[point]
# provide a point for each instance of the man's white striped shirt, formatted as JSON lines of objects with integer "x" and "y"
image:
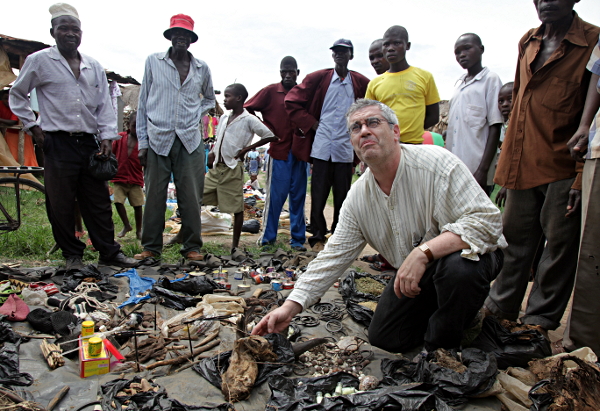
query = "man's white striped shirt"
{"x": 433, "y": 192}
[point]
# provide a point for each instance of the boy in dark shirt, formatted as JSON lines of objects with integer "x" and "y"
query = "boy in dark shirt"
{"x": 129, "y": 180}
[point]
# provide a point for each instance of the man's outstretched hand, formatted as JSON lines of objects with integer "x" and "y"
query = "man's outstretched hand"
{"x": 278, "y": 319}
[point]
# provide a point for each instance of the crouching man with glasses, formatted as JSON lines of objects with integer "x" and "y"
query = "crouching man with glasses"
{"x": 421, "y": 208}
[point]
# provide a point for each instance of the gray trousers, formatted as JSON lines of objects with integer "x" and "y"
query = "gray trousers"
{"x": 583, "y": 327}
{"x": 188, "y": 175}
{"x": 528, "y": 215}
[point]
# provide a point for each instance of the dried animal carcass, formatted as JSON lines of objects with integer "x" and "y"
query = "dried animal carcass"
{"x": 239, "y": 378}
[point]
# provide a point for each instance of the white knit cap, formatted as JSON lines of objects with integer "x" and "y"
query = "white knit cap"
{"x": 63, "y": 9}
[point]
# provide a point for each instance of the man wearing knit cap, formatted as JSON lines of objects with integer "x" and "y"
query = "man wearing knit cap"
{"x": 176, "y": 92}
{"x": 77, "y": 120}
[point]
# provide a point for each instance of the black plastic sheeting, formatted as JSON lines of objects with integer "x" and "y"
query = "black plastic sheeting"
{"x": 352, "y": 297}
{"x": 195, "y": 285}
{"x": 74, "y": 277}
{"x": 146, "y": 401}
{"x": 170, "y": 299}
{"x": 212, "y": 368}
{"x": 9, "y": 358}
{"x": 300, "y": 394}
{"x": 251, "y": 226}
{"x": 511, "y": 349}
{"x": 452, "y": 387}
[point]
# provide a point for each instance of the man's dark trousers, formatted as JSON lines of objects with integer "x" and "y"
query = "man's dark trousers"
{"x": 453, "y": 290}
{"x": 66, "y": 178}
{"x": 325, "y": 176}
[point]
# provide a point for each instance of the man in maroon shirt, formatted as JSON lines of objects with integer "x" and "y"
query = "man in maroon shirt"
{"x": 129, "y": 180}
{"x": 286, "y": 175}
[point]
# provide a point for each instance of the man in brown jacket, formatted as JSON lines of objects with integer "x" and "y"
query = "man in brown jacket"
{"x": 317, "y": 107}
{"x": 543, "y": 181}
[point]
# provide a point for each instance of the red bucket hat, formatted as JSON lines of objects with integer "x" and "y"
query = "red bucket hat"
{"x": 181, "y": 21}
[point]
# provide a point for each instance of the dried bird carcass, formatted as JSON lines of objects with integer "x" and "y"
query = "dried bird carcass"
{"x": 239, "y": 378}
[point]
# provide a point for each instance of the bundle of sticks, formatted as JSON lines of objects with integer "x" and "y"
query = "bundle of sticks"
{"x": 52, "y": 354}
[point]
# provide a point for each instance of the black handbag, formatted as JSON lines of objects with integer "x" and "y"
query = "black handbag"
{"x": 103, "y": 168}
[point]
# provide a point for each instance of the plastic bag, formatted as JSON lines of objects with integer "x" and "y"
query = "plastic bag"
{"x": 103, "y": 168}
{"x": 177, "y": 301}
{"x": 514, "y": 349}
{"x": 251, "y": 226}
{"x": 300, "y": 394}
{"x": 196, "y": 285}
{"x": 453, "y": 387}
{"x": 137, "y": 286}
{"x": 352, "y": 297}
{"x": 214, "y": 222}
{"x": 34, "y": 297}
{"x": 9, "y": 359}
{"x": 150, "y": 400}
{"x": 212, "y": 368}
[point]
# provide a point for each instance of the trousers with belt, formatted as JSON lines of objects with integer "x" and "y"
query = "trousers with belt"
{"x": 66, "y": 178}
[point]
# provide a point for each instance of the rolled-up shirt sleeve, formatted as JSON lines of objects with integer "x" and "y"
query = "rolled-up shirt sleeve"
{"x": 464, "y": 209}
{"x": 342, "y": 248}
{"x": 19, "y": 94}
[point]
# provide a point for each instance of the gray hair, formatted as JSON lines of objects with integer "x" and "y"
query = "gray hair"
{"x": 361, "y": 103}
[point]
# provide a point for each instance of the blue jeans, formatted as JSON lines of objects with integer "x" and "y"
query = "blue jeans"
{"x": 285, "y": 178}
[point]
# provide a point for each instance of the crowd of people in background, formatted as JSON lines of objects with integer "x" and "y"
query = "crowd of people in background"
{"x": 427, "y": 212}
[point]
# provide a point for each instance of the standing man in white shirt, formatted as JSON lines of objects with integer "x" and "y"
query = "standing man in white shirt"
{"x": 474, "y": 120}
{"x": 421, "y": 208}
{"x": 176, "y": 93}
{"x": 76, "y": 113}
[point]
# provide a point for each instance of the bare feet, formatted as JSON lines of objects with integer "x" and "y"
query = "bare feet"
{"x": 138, "y": 234}
{"x": 124, "y": 231}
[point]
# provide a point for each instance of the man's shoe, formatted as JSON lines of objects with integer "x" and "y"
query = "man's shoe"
{"x": 73, "y": 263}
{"x": 120, "y": 260}
{"x": 194, "y": 256}
{"x": 299, "y": 248}
{"x": 144, "y": 254}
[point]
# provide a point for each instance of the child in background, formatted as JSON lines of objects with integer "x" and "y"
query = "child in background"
{"x": 253, "y": 182}
{"x": 223, "y": 183}
{"x": 129, "y": 180}
{"x": 505, "y": 105}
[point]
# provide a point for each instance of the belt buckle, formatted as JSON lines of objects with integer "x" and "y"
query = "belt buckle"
{"x": 77, "y": 134}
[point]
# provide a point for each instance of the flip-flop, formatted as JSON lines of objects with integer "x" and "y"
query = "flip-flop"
{"x": 238, "y": 255}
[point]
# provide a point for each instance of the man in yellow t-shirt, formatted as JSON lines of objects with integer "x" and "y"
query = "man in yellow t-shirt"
{"x": 410, "y": 91}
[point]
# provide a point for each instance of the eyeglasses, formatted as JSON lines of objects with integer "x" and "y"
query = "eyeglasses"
{"x": 371, "y": 122}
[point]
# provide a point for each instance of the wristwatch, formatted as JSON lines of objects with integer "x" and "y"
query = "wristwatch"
{"x": 425, "y": 248}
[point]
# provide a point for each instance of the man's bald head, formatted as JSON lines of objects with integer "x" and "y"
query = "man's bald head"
{"x": 397, "y": 31}
{"x": 473, "y": 37}
{"x": 288, "y": 61}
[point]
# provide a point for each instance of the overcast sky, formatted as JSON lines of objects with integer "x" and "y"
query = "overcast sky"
{"x": 244, "y": 41}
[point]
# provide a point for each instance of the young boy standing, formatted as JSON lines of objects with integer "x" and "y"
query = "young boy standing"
{"x": 474, "y": 120}
{"x": 129, "y": 180}
{"x": 224, "y": 181}
{"x": 409, "y": 91}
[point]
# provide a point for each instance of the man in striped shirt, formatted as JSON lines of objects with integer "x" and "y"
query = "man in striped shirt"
{"x": 176, "y": 92}
{"x": 421, "y": 208}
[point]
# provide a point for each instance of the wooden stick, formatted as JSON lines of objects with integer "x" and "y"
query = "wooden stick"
{"x": 183, "y": 358}
{"x": 208, "y": 338}
{"x": 185, "y": 367}
{"x": 36, "y": 336}
{"x": 58, "y": 397}
{"x": 11, "y": 395}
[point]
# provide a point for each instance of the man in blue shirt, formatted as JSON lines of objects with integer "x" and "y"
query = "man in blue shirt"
{"x": 318, "y": 106}
{"x": 176, "y": 92}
